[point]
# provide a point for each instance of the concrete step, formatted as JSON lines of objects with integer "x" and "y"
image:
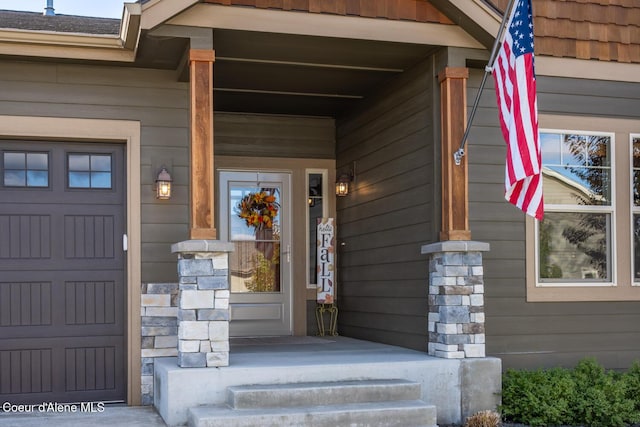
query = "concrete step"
{"x": 321, "y": 393}
{"x": 404, "y": 413}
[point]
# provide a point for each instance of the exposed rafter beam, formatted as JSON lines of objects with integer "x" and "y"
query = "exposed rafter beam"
{"x": 310, "y": 64}
{"x": 277, "y": 92}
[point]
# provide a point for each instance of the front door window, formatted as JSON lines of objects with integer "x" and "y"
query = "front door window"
{"x": 255, "y": 230}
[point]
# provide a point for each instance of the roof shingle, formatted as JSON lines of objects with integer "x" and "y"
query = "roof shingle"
{"x": 605, "y": 30}
{"x": 35, "y": 21}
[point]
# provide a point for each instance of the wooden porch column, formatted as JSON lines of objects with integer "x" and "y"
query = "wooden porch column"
{"x": 202, "y": 178}
{"x": 455, "y": 188}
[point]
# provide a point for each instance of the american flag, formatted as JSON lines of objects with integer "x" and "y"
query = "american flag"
{"x": 515, "y": 81}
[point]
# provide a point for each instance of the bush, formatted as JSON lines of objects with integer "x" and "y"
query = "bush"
{"x": 584, "y": 396}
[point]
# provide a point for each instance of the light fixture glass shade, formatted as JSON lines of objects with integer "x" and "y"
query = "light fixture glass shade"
{"x": 163, "y": 185}
{"x": 342, "y": 185}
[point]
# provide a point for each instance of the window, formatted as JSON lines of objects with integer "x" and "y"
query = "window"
{"x": 574, "y": 238}
{"x": 317, "y": 208}
{"x": 89, "y": 170}
{"x": 635, "y": 227}
{"x": 587, "y": 247}
{"x": 26, "y": 169}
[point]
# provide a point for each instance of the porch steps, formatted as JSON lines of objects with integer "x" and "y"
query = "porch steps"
{"x": 331, "y": 404}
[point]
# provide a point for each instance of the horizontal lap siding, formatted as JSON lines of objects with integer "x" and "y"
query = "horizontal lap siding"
{"x": 274, "y": 136}
{"x": 161, "y": 105}
{"x": 530, "y": 335}
{"x": 96, "y": 92}
{"x": 382, "y": 283}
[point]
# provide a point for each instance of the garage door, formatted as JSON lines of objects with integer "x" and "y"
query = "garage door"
{"x": 62, "y": 289}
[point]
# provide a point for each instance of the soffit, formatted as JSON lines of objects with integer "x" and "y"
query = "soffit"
{"x": 304, "y": 75}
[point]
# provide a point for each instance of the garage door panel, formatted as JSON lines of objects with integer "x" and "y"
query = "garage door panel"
{"x": 25, "y": 304}
{"x": 71, "y": 308}
{"x": 58, "y": 237}
{"x": 65, "y": 367}
{"x": 26, "y": 371}
{"x": 25, "y": 236}
{"x": 89, "y": 236}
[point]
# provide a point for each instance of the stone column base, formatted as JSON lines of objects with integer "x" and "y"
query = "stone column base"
{"x": 456, "y": 299}
{"x": 203, "y": 303}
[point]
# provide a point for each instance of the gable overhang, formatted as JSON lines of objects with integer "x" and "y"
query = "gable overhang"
{"x": 323, "y": 25}
{"x": 97, "y": 47}
{"x": 476, "y": 17}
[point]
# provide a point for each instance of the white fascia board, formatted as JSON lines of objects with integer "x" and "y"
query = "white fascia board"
{"x": 157, "y": 12}
{"x": 323, "y": 25}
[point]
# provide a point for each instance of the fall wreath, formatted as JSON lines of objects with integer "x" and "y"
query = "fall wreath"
{"x": 258, "y": 209}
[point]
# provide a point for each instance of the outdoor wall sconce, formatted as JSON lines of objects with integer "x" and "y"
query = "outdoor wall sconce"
{"x": 343, "y": 181}
{"x": 163, "y": 185}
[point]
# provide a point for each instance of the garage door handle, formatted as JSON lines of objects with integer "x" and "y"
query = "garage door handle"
{"x": 125, "y": 243}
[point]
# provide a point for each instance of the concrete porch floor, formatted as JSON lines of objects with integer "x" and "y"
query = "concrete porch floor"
{"x": 458, "y": 387}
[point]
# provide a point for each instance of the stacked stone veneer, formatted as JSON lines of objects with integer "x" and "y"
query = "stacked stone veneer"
{"x": 456, "y": 299}
{"x": 203, "y": 303}
{"x": 159, "y": 312}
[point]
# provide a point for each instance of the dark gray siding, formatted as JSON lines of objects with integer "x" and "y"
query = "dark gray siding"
{"x": 382, "y": 283}
{"x": 161, "y": 105}
{"x": 152, "y": 97}
{"x": 529, "y": 335}
{"x": 274, "y": 136}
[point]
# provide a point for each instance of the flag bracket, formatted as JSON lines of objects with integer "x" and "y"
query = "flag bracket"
{"x": 457, "y": 156}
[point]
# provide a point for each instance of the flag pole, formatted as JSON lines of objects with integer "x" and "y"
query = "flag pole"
{"x": 457, "y": 156}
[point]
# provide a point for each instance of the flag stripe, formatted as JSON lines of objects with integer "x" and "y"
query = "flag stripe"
{"x": 515, "y": 84}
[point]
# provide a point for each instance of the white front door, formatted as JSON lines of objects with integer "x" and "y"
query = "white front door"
{"x": 255, "y": 215}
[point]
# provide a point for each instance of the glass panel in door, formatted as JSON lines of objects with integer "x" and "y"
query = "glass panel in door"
{"x": 256, "y": 219}
{"x": 255, "y": 231}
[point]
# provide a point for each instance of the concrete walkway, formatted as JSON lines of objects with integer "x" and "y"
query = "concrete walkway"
{"x": 113, "y": 416}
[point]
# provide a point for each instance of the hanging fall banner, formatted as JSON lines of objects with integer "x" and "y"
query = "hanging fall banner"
{"x": 326, "y": 261}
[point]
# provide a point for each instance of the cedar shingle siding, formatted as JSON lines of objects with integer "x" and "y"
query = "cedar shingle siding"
{"x": 606, "y": 30}
{"x": 410, "y": 10}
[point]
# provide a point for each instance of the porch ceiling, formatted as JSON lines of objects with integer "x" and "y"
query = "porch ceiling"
{"x": 303, "y": 75}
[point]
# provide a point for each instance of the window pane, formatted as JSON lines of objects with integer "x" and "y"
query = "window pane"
{"x": 574, "y": 247}
{"x": 90, "y": 171}
{"x": 79, "y": 162}
{"x": 255, "y": 266}
{"x": 14, "y": 178}
{"x": 79, "y": 180}
{"x": 101, "y": 163}
{"x": 636, "y": 248}
{"x": 26, "y": 169}
{"x": 550, "y": 146}
{"x": 38, "y": 161}
{"x": 636, "y": 171}
{"x": 14, "y": 161}
{"x": 100, "y": 180}
{"x": 254, "y": 225}
{"x": 248, "y": 201}
{"x": 37, "y": 178}
{"x": 579, "y": 172}
{"x": 315, "y": 213}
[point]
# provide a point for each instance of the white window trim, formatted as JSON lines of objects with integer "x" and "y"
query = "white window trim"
{"x": 325, "y": 213}
{"x": 610, "y": 209}
{"x": 623, "y": 290}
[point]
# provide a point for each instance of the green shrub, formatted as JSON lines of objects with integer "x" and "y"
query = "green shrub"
{"x": 585, "y": 396}
{"x": 537, "y": 398}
